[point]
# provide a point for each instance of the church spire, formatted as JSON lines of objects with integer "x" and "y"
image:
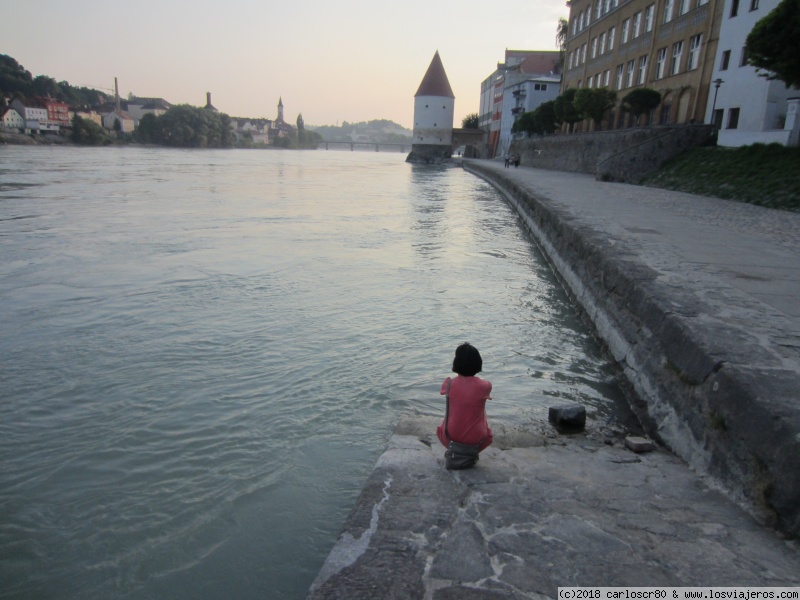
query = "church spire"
{"x": 280, "y": 109}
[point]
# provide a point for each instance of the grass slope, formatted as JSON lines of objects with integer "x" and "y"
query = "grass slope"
{"x": 766, "y": 175}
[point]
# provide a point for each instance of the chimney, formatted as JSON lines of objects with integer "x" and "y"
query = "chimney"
{"x": 208, "y": 98}
{"x": 116, "y": 96}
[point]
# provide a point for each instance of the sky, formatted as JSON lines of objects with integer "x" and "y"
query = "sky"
{"x": 332, "y": 61}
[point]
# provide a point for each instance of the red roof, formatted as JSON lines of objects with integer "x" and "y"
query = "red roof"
{"x": 435, "y": 82}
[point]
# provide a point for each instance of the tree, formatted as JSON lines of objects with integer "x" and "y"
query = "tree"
{"x": 772, "y": 43}
{"x": 14, "y": 79}
{"x": 470, "y": 121}
{"x": 593, "y": 103}
{"x": 88, "y": 133}
{"x": 185, "y": 126}
{"x": 539, "y": 121}
{"x": 562, "y": 31}
{"x": 641, "y": 101}
{"x": 565, "y": 109}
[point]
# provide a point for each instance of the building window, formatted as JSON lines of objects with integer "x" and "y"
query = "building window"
{"x": 637, "y": 24}
{"x": 734, "y": 8}
{"x": 583, "y": 54}
{"x": 608, "y": 6}
{"x": 753, "y": 5}
{"x": 611, "y": 33}
{"x": 626, "y": 27}
{"x": 718, "y": 113}
{"x": 620, "y": 74}
{"x": 684, "y": 7}
{"x": 677, "y": 52}
{"x": 743, "y": 59}
{"x": 580, "y": 22}
{"x": 594, "y": 47}
{"x": 733, "y": 118}
{"x": 602, "y": 42}
{"x": 631, "y": 71}
{"x": 661, "y": 61}
{"x": 695, "y": 42}
{"x": 606, "y": 77}
{"x": 574, "y": 26}
{"x": 665, "y": 109}
{"x": 599, "y": 12}
{"x": 588, "y": 15}
{"x": 589, "y": 81}
{"x": 726, "y": 59}
{"x": 571, "y": 56}
{"x": 642, "y": 69}
{"x": 540, "y": 87}
{"x": 668, "y": 6}
{"x": 649, "y": 17}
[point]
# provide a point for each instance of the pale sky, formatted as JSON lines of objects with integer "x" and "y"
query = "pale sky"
{"x": 332, "y": 61}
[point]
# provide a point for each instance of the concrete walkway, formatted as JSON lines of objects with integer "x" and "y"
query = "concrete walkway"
{"x": 697, "y": 300}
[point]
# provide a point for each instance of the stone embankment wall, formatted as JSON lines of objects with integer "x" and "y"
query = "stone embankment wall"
{"x": 620, "y": 155}
{"x": 681, "y": 371}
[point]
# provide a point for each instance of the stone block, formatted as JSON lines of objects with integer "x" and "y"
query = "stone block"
{"x": 568, "y": 416}
{"x": 639, "y": 444}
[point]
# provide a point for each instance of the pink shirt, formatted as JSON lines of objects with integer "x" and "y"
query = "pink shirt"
{"x": 467, "y": 419}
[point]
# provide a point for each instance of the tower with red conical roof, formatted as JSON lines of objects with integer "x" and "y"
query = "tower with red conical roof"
{"x": 434, "y": 106}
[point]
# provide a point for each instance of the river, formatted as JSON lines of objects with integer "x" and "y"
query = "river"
{"x": 204, "y": 353}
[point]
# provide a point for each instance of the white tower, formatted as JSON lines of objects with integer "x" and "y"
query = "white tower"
{"x": 434, "y": 105}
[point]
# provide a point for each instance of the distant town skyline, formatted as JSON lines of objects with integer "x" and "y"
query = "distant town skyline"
{"x": 332, "y": 62}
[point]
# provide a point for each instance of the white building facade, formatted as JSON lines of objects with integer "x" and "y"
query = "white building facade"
{"x": 520, "y": 97}
{"x": 12, "y": 120}
{"x": 746, "y": 107}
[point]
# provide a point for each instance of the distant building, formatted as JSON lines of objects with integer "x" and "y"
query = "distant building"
{"x": 280, "y": 128}
{"x": 497, "y": 109}
{"x": 126, "y": 122}
{"x": 667, "y": 45}
{"x": 57, "y": 111}
{"x": 34, "y": 114}
{"x": 118, "y": 119}
{"x": 88, "y": 115}
{"x": 139, "y": 107}
{"x": 208, "y": 105}
{"x": 434, "y": 107}
{"x": 11, "y": 120}
{"x": 745, "y": 107}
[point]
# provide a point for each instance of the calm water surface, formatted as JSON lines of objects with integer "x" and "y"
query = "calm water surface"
{"x": 203, "y": 353}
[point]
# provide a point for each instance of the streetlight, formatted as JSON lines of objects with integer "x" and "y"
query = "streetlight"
{"x": 717, "y": 83}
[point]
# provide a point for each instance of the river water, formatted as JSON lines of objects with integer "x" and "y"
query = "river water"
{"x": 203, "y": 353}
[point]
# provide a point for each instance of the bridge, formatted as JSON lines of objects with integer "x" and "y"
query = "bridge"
{"x": 471, "y": 143}
{"x": 377, "y": 146}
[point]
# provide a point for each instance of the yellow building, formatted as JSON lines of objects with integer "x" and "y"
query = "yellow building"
{"x": 666, "y": 45}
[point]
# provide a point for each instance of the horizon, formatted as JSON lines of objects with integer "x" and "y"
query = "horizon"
{"x": 348, "y": 62}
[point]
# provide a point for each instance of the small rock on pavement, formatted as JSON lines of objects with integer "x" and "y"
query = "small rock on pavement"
{"x": 568, "y": 416}
{"x": 639, "y": 444}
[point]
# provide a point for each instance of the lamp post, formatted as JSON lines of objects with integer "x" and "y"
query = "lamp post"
{"x": 717, "y": 83}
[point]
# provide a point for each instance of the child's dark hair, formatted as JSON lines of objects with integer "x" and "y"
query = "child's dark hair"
{"x": 468, "y": 361}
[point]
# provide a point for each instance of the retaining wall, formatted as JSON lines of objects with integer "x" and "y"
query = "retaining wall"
{"x": 618, "y": 155}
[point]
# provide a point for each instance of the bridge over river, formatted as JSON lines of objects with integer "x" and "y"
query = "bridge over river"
{"x": 469, "y": 141}
{"x": 361, "y": 146}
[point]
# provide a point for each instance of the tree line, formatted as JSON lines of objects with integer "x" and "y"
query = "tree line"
{"x": 574, "y": 106}
{"x": 17, "y": 82}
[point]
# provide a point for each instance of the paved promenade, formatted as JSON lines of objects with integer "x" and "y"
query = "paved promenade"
{"x": 698, "y": 301}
